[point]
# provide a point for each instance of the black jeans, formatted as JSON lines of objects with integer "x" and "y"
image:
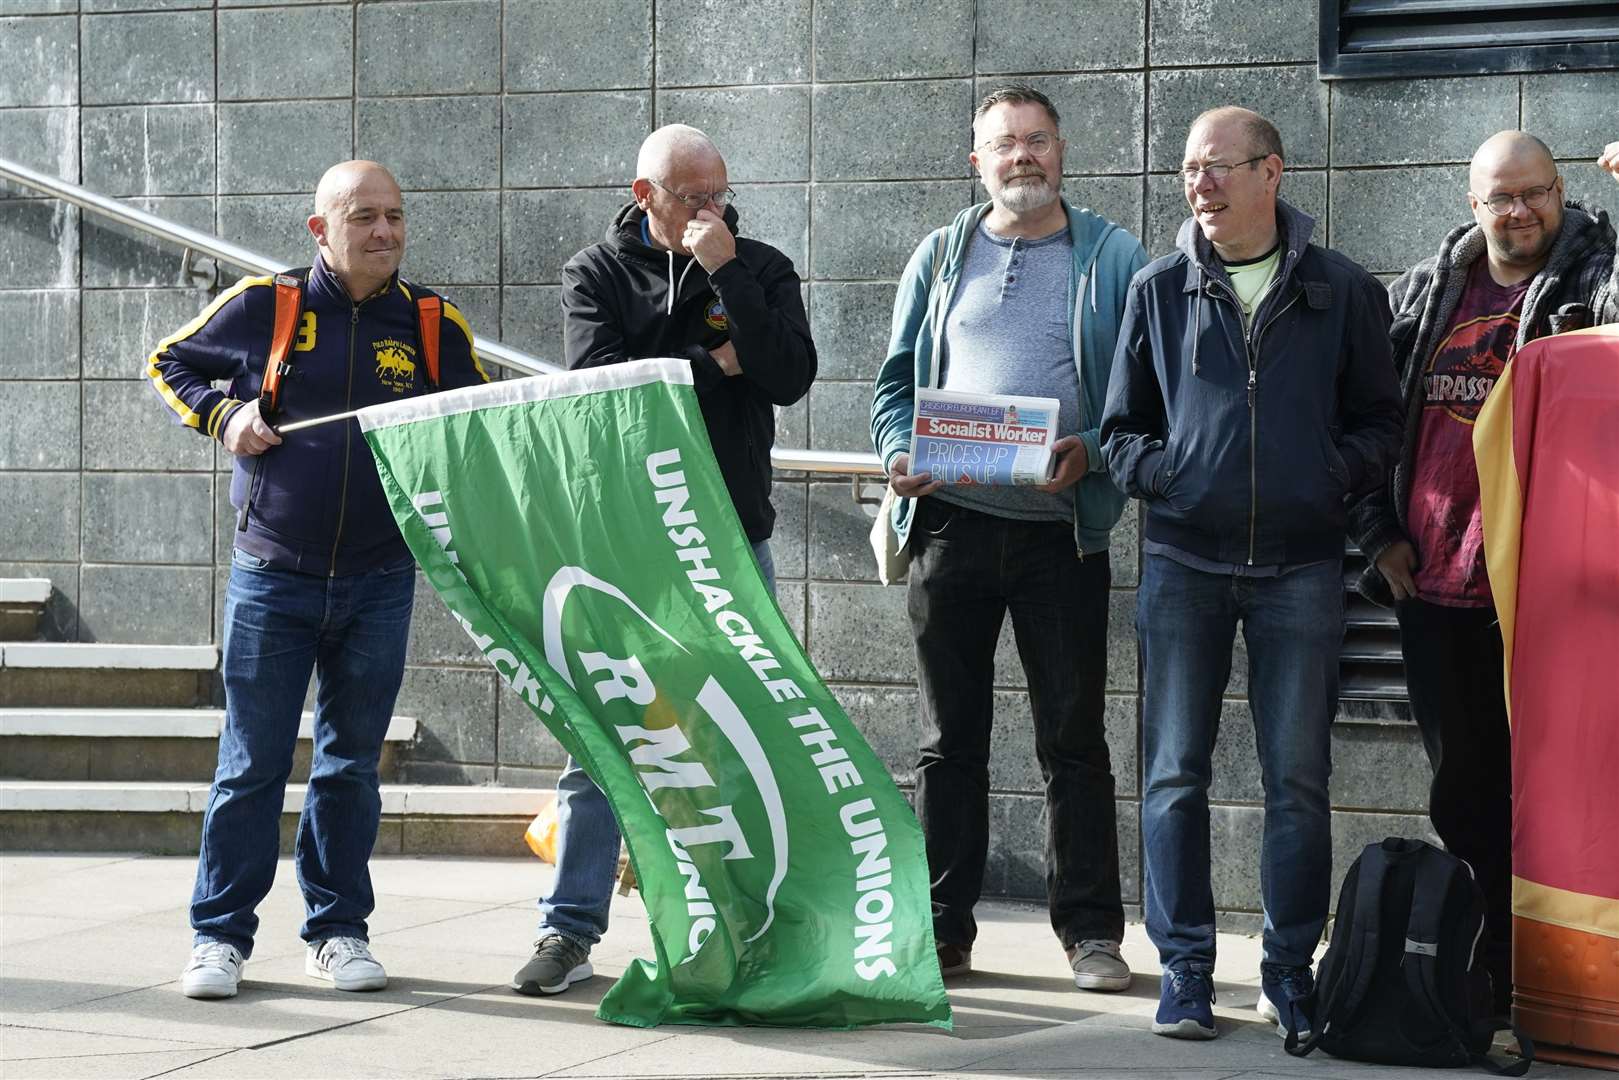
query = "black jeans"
{"x": 1453, "y": 659}
{"x": 967, "y": 570}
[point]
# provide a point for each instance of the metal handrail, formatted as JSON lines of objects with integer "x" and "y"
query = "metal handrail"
{"x": 194, "y": 241}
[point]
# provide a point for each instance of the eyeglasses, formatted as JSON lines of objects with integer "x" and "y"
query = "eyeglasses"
{"x": 1501, "y": 205}
{"x": 1039, "y": 144}
{"x": 1216, "y": 172}
{"x": 699, "y": 199}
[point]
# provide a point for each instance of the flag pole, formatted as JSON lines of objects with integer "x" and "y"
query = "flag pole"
{"x": 299, "y": 425}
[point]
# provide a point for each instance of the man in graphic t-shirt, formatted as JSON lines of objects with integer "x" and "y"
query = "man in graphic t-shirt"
{"x": 1530, "y": 265}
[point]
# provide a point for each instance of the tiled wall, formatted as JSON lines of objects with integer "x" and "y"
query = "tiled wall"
{"x": 513, "y": 126}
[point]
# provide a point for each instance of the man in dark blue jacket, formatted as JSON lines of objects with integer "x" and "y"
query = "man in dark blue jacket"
{"x": 320, "y": 580}
{"x": 1252, "y": 392}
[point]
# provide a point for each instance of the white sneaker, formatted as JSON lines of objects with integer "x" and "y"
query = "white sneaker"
{"x": 346, "y": 963}
{"x": 214, "y": 971}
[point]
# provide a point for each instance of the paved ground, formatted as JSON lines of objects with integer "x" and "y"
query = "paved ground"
{"x": 90, "y": 948}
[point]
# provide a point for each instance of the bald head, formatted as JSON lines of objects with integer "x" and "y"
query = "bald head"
{"x": 359, "y": 223}
{"x": 1262, "y": 136}
{"x": 1515, "y": 149}
{"x": 674, "y": 148}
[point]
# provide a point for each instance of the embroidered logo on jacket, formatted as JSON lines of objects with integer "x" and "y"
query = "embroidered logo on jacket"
{"x": 714, "y": 316}
{"x": 396, "y": 364}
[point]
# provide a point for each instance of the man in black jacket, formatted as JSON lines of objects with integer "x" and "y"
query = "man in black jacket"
{"x": 672, "y": 278}
{"x": 1251, "y": 394}
{"x": 1529, "y": 265}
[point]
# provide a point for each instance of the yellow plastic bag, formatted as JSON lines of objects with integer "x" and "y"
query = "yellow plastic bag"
{"x": 541, "y": 836}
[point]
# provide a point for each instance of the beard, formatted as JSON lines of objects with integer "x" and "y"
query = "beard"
{"x": 1029, "y": 192}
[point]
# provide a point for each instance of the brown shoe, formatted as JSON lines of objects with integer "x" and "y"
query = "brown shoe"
{"x": 954, "y": 959}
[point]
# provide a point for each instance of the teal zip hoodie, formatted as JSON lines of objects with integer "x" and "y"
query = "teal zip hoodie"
{"x": 1106, "y": 257}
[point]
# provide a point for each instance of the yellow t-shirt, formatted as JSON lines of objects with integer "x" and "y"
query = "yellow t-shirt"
{"x": 1252, "y": 279}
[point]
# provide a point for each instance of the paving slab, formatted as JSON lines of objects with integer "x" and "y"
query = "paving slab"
{"x": 452, "y": 931}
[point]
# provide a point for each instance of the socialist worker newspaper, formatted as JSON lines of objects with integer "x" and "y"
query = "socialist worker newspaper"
{"x": 972, "y": 439}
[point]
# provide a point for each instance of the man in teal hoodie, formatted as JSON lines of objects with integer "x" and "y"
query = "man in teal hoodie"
{"x": 1020, "y": 295}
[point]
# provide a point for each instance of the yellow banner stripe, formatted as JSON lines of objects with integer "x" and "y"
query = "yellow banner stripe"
{"x": 1560, "y": 907}
{"x": 187, "y": 416}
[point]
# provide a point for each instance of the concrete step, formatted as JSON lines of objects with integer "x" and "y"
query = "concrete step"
{"x": 22, "y": 602}
{"x": 172, "y": 745}
{"x": 166, "y": 818}
{"x": 96, "y": 674}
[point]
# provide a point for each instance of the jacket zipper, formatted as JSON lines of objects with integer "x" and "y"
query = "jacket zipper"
{"x": 348, "y": 435}
{"x": 1250, "y": 343}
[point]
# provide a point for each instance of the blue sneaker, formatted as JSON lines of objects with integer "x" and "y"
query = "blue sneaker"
{"x": 1185, "y": 1004}
{"x": 1284, "y": 997}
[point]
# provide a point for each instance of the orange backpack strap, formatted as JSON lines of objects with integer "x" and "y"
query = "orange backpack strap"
{"x": 428, "y": 310}
{"x": 289, "y": 308}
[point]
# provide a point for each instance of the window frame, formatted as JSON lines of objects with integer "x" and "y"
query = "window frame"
{"x": 1465, "y": 60}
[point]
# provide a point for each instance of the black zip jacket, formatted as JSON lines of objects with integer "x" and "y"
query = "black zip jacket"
{"x": 1582, "y": 269}
{"x": 623, "y": 299}
{"x": 1244, "y": 446}
{"x": 314, "y": 503}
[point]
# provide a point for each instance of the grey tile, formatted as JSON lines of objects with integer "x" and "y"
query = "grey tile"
{"x": 791, "y": 598}
{"x": 1379, "y": 767}
{"x": 860, "y": 633}
{"x": 1124, "y": 548}
{"x": 778, "y": 215}
{"x": 49, "y": 530}
{"x": 792, "y": 424}
{"x": 274, "y": 52}
{"x": 465, "y": 59}
{"x": 718, "y": 43}
{"x": 147, "y": 58}
{"x": 273, "y": 147}
{"x": 39, "y": 425}
{"x": 1014, "y": 764}
{"x": 1167, "y": 209}
{"x": 60, "y": 621}
{"x": 522, "y": 738}
{"x": 840, "y": 416}
{"x": 1055, "y": 35}
{"x": 42, "y": 244}
{"x": 123, "y": 326}
{"x": 888, "y": 720}
{"x": 149, "y": 605}
{"x": 850, "y": 322}
{"x": 479, "y": 305}
{"x": 149, "y": 518}
{"x": 582, "y": 140}
{"x": 788, "y": 542}
{"x": 892, "y": 131}
{"x": 1017, "y": 834}
{"x": 272, "y": 225}
{"x": 531, "y": 320}
{"x": 541, "y": 230}
{"x": 1234, "y": 839}
{"x": 44, "y": 328}
{"x": 868, "y": 231}
{"x": 141, "y": 5}
{"x": 1432, "y": 202}
{"x": 1117, "y": 198}
{"x": 763, "y": 132}
{"x": 1571, "y": 113}
{"x": 38, "y": 7}
{"x": 435, "y": 636}
{"x": 893, "y": 39}
{"x": 454, "y": 237}
{"x": 1582, "y": 182}
{"x": 125, "y": 424}
{"x": 1440, "y": 119}
{"x": 839, "y": 547}
{"x": 1199, "y": 32}
{"x": 114, "y": 256}
{"x": 42, "y": 61}
{"x": 563, "y": 45}
{"x": 1121, "y": 642}
{"x": 390, "y": 130}
{"x": 1102, "y": 118}
{"x": 454, "y": 710}
{"x": 1289, "y": 97}
{"x": 45, "y": 140}
{"x": 149, "y": 149}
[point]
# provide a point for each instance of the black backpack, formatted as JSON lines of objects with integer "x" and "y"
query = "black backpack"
{"x": 1401, "y": 982}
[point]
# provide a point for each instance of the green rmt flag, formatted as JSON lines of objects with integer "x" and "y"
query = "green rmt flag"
{"x": 578, "y": 528}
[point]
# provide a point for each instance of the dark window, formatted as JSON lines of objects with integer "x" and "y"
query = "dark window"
{"x": 1379, "y": 39}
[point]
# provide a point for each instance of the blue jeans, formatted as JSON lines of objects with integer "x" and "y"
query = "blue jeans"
{"x": 280, "y": 626}
{"x": 588, "y": 839}
{"x": 1293, "y": 625}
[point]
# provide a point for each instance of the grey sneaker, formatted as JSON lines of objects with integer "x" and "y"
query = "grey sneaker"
{"x": 558, "y": 962}
{"x": 954, "y": 959}
{"x": 1097, "y": 965}
{"x": 214, "y": 971}
{"x": 346, "y": 963}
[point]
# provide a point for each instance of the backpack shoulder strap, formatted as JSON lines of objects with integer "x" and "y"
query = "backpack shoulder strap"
{"x": 289, "y": 309}
{"x": 1360, "y": 954}
{"x": 429, "y": 310}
